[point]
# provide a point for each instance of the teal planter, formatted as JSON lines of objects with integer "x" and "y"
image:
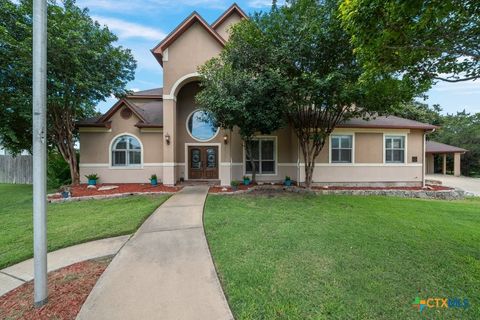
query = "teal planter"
{"x": 288, "y": 183}
{"x": 246, "y": 182}
{"x": 153, "y": 182}
{"x": 92, "y": 182}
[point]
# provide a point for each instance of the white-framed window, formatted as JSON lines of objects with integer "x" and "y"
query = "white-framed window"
{"x": 341, "y": 148}
{"x": 264, "y": 155}
{"x": 394, "y": 149}
{"x": 126, "y": 152}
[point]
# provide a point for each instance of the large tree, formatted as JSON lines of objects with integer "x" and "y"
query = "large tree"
{"x": 243, "y": 99}
{"x": 422, "y": 40}
{"x": 304, "y": 45}
{"x": 84, "y": 66}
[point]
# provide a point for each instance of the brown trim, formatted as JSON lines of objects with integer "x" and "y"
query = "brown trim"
{"x": 148, "y": 125}
{"x": 233, "y": 8}
{"x": 379, "y": 126}
{"x": 117, "y": 106}
{"x": 179, "y": 30}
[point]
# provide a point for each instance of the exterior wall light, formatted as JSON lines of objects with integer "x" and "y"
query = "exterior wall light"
{"x": 167, "y": 139}
{"x": 225, "y": 139}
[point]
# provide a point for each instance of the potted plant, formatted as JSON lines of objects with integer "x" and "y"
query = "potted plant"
{"x": 92, "y": 179}
{"x": 246, "y": 180}
{"x": 235, "y": 185}
{"x": 65, "y": 191}
{"x": 153, "y": 180}
{"x": 288, "y": 181}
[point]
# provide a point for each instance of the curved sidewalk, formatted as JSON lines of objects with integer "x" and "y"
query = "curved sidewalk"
{"x": 18, "y": 274}
{"x": 164, "y": 271}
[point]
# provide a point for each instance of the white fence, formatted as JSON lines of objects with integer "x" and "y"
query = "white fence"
{"x": 16, "y": 169}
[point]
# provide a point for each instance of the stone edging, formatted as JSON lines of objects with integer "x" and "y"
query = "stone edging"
{"x": 422, "y": 194}
{"x": 108, "y": 196}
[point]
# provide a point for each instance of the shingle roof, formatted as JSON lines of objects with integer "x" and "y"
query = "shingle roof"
{"x": 386, "y": 122}
{"x": 150, "y": 92}
{"x": 437, "y": 147}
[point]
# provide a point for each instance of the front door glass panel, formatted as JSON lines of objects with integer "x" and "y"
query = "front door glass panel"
{"x": 196, "y": 162}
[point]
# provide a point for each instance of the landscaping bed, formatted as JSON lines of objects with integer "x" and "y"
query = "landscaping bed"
{"x": 297, "y": 256}
{"x": 68, "y": 288}
{"x": 82, "y": 190}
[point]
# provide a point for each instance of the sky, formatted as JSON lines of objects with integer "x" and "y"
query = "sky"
{"x": 142, "y": 24}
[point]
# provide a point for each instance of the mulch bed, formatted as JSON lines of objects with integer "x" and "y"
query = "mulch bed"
{"x": 68, "y": 288}
{"x": 219, "y": 189}
{"x": 82, "y": 190}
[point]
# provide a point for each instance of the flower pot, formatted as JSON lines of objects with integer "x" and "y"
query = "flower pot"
{"x": 246, "y": 182}
{"x": 65, "y": 194}
{"x": 92, "y": 182}
{"x": 153, "y": 182}
{"x": 288, "y": 183}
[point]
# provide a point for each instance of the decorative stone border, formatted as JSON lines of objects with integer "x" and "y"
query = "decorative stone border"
{"x": 421, "y": 194}
{"x": 107, "y": 196}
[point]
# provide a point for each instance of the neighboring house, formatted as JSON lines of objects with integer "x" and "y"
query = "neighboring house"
{"x": 160, "y": 131}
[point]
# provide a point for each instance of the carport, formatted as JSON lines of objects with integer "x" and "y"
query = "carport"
{"x": 436, "y": 148}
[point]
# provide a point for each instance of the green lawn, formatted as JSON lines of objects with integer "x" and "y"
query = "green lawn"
{"x": 340, "y": 257}
{"x": 68, "y": 223}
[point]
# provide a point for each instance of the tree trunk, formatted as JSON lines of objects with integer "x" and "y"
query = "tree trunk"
{"x": 63, "y": 126}
{"x": 248, "y": 151}
{"x": 309, "y": 167}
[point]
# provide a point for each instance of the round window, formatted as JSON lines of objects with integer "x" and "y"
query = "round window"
{"x": 200, "y": 126}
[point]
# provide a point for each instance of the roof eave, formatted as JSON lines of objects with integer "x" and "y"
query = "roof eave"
{"x": 233, "y": 8}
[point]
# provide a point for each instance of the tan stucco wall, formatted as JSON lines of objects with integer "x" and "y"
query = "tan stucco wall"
{"x": 415, "y": 146}
{"x": 223, "y": 29}
{"x": 368, "y": 147}
{"x": 192, "y": 49}
{"x": 95, "y": 149}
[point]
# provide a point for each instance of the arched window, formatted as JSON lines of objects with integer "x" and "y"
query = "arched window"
{"x": 126, "y": 151}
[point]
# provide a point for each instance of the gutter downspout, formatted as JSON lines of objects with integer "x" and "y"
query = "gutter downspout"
{"x": 424, "y": 157}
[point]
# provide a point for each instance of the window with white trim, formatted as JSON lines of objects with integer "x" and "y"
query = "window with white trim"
{"x": 341, "y": 148}
{"x": 394, "y": 149}
{"x": 126, "y": 152}
{"x": 263, "y": 154}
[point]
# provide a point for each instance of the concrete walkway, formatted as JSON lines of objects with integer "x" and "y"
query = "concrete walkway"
{"x": 164, "y": 271}
{"x": 467, "y": 184}
{"x": 18, "y": 274}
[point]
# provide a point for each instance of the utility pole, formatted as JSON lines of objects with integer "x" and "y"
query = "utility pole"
{"x": 40, "y": 151}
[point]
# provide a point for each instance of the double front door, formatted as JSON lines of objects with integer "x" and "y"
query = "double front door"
{"x": 202, "y": 162}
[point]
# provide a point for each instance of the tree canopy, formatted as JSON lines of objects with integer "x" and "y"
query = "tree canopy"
{"x": 307, "y": 57}
{"x": 84, "y": 66}
{"x": 419, "y": 40}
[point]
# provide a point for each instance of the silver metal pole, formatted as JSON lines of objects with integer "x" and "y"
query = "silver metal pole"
{"x": 40, "y": 151}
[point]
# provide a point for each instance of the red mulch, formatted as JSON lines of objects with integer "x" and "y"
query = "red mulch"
{"x": 68, "y": 289}
{"x": 82, "y": 190}
{"x": 219, "y": 189}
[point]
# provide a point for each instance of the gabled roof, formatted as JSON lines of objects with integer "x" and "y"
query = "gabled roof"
{"x": 150, "y": 114}
{"x": 178, "y": 31}
{"x": 437, "y": 147}
{"x": 386, "y": 122}
{"x": 234, "y": 8}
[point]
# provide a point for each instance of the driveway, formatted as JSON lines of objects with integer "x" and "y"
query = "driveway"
{"x": 471, "y": 185}
{"x": 164, "y": 271}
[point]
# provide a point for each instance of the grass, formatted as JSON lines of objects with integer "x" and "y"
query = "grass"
{"x": 67, "y": 223}
{"x": 340, "y": 257}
